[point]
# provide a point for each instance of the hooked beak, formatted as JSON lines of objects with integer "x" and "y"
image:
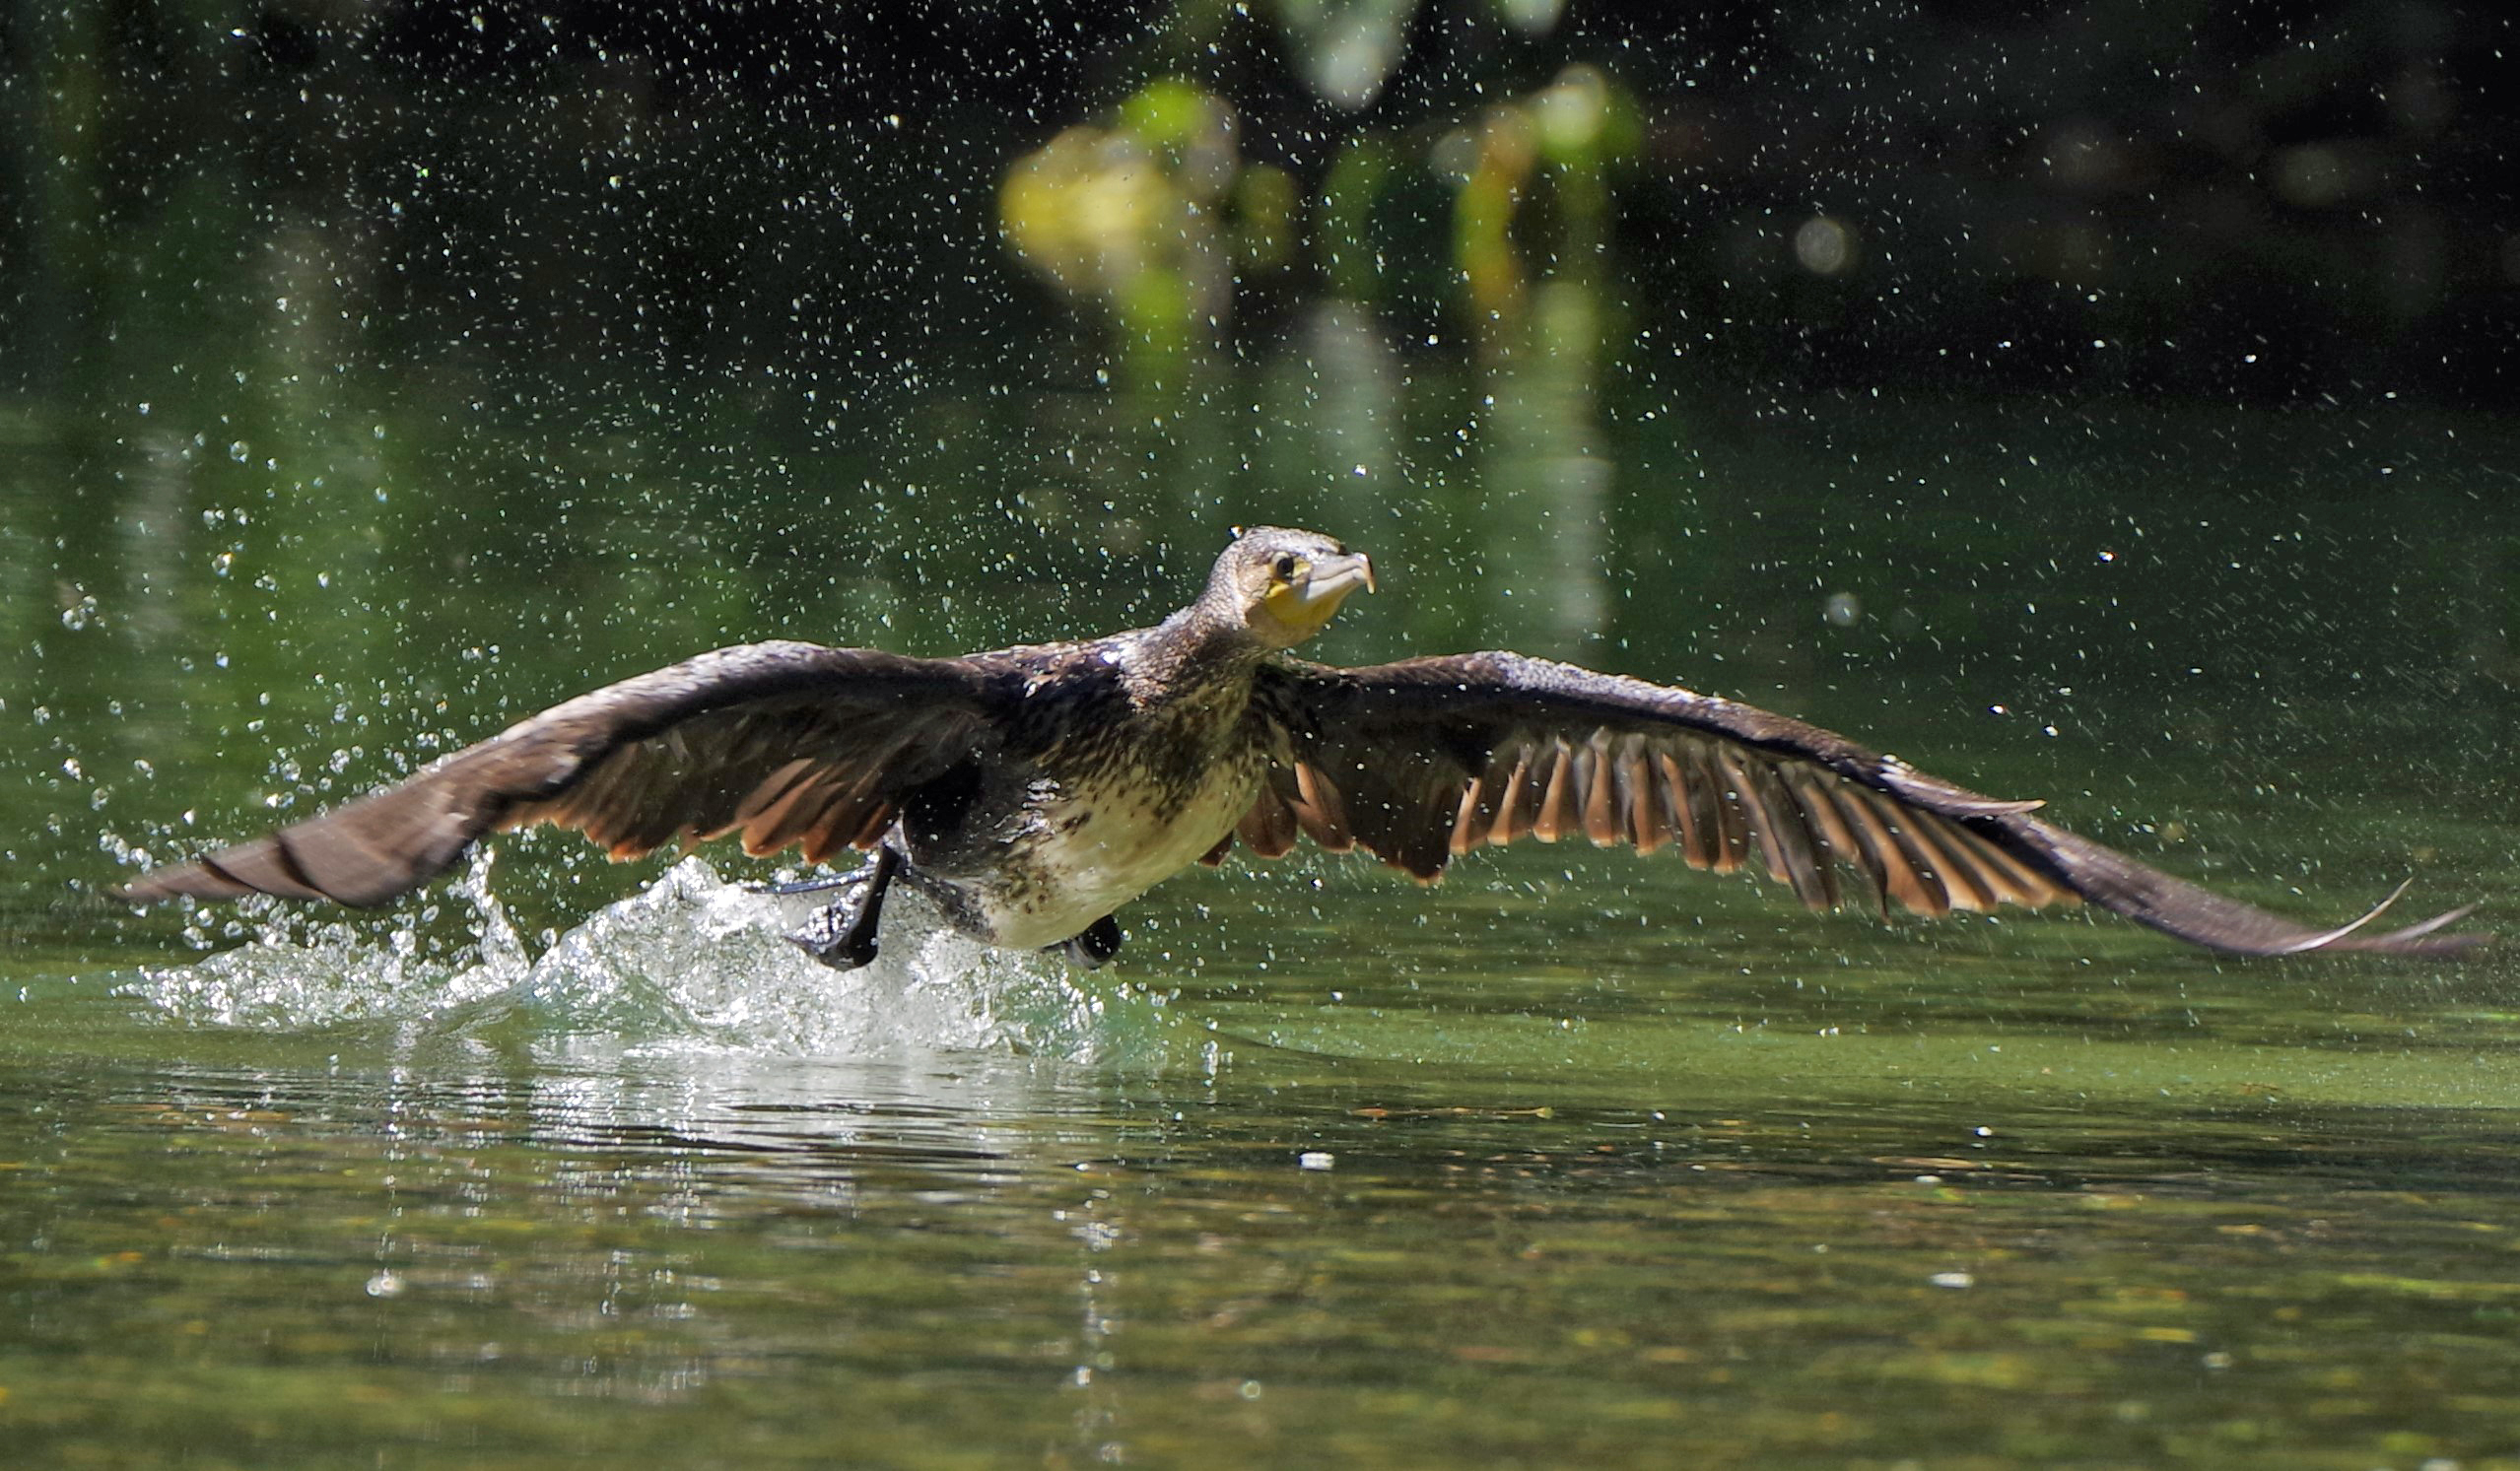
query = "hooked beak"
{"x": 1303, "y": 608}
{"x": 1334, "y": 577}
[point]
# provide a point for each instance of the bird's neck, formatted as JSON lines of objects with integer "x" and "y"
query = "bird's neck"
{"x": 1198, "y": 647}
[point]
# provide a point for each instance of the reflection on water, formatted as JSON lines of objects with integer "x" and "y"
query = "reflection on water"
{"x": 1548, "y": 511}
{"x": 750, "y": 1257}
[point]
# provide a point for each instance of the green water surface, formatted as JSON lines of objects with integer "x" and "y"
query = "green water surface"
{"x": 1575, "y": 1160}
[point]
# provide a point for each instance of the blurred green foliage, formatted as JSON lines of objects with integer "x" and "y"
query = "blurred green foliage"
{"x": 2274, "y": 202}
{"x": 1161, "y": 217}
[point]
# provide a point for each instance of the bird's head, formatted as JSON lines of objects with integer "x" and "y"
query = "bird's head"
{"x": 1284, "y": 584}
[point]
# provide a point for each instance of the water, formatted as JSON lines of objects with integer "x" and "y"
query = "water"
{"x": 1573, "y": 1159}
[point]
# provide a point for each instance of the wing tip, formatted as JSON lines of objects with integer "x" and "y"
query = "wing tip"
{"x": 197, "y": 877}
{"x": 2424, "y": 938}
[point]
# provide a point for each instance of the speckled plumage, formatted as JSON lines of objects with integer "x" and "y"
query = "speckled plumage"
{"x": 1125, "y": 763}
{"x": 1031, "y": 791}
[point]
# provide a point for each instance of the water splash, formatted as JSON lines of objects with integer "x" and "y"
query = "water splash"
{"x": 694, "y": 960}
{"x": 692, "y": 964}
{"x": 299, "y": 974}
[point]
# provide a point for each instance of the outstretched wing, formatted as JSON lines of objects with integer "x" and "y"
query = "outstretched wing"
{"x": 1420, "y": 760}
{"x": 784, "y": 742}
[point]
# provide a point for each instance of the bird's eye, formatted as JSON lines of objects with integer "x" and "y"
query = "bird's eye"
{"x": 1285, "y": 567}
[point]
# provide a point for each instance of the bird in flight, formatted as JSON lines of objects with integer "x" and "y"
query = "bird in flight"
{"x": 1031, "y": 791}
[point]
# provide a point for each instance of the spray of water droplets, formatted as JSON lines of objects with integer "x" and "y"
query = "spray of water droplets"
{"x": 692, "y": 964}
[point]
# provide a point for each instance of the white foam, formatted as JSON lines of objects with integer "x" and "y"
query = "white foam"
{"x": 692, "y": 964}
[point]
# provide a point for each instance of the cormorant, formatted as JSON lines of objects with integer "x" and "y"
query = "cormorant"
{"x": 1031, "y": 791}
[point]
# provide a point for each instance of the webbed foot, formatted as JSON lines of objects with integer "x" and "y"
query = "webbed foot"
{"x": 843, "y": 935}
{"x": 1098, "y": 944}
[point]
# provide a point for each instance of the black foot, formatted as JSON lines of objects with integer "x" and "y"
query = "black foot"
{"x": 842, "y": 936}
{"x": 1099, "y": 943}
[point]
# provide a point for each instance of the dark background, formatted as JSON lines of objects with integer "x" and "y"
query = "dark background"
{"x": 2271, "y": 202}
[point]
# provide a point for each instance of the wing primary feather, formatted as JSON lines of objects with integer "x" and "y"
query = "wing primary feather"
{"x": 589, "y": 803}
{"x": 1512, "y": 821}
{"x": 1804, "y": 847}
{"x": 834, "y": 824}
{"x": 1680, "y": 810}
{"x": 1706, "y": 809}
{"x": 260, "y": 867}
{"x": 217, "y": 870}
{"x": 1643, "y": 800}
{"x": 1468, "y": 830}
{"x": 1557, "y": 802}
{"x": 1731, "y": 822}
{"x": 772, "y": 788}
{"x": 1893, "y": 882}
{"x": 2029, "y": 888}
{"x": 1493, "y": 786}
{"x": 1269, "y": 828}
{"x": 1758, "y": 823}
{"x": 1600, "y": 807}
{"x": 1912, "y": 882}
{"x": 2015, "y": 881}
{"x": 1968, "y": 886}
{"x": 1322, "y": 813}
{"x": 1811, "y": 791}
{"x": 285, "y": 851}
{"x": 781, "y": 822}
{"x": 870, "y": 831}
{"x": 1421, "y": 843}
